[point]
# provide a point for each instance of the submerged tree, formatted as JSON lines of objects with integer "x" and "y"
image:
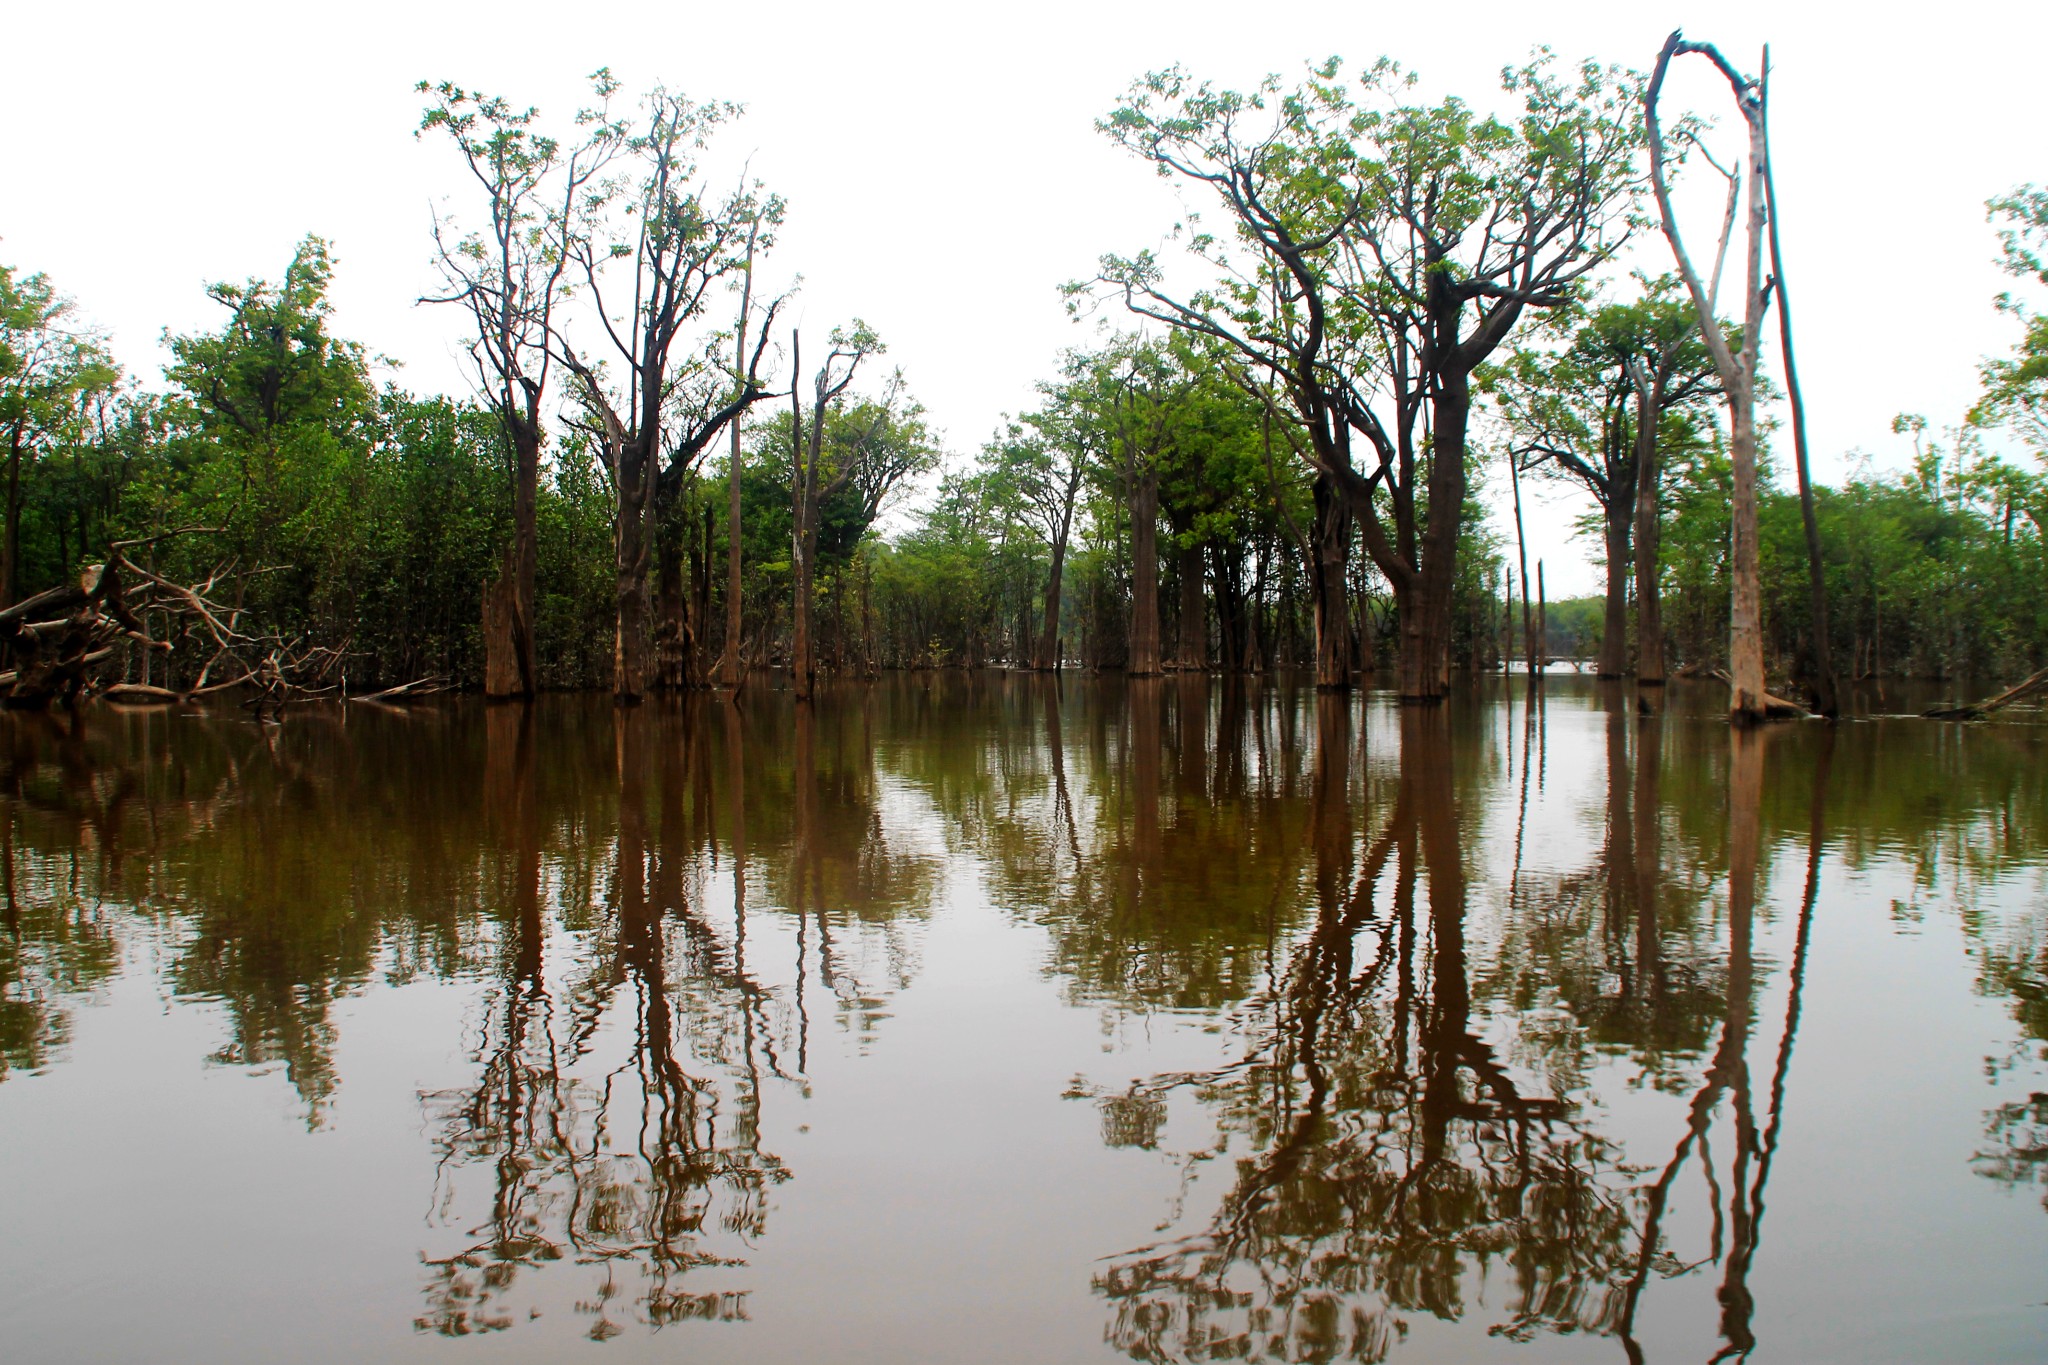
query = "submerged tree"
{"x": 508, "y": 277}
{"x": 1378, "y": 252}
{"x": 1748, "y": 701}
{"x": 654, "y": 222}
{"x": 1581, "y": 414}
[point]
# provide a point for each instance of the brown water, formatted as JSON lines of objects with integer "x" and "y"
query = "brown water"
{"x": 983, "y": 1019}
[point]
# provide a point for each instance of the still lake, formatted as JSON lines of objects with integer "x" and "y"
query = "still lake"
{"x": 987, "y": 1018}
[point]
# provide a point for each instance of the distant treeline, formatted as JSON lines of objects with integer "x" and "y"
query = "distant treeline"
{"x": 1283, "y": 472}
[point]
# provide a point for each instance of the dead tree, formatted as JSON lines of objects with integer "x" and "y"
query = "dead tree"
{"x": 1826, "y": 700}
{"x": 1738, "y": 369}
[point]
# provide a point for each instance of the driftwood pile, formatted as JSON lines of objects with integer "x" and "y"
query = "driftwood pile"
{"x": 56, "y": 645}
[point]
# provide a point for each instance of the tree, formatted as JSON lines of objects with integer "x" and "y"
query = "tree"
{"x": 656, "y": 225}
{"x": 849, "y": 349}
{"x": 1747, "y": 701}
{"x": 1378, "y": 253}
{"x": 1580, "y": 413}
{"x": 2015, "y": 392}
{"x": 508, "y": 277}
{"x": 1048, "y": 458}
{"x": 52, "y": 374}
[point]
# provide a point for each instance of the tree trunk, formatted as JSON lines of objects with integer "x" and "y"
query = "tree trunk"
{"x": 501, "y": 631}
{"x": 1425, "y": 610}
{"x": 1824, "y": 689}
{"x": 1747, "y": 702}
{"x": 1614, "y": 631}
{"x": 1046, "y": 659}
{"x": 671, "y": 629}
{"x": 1144, "y": 642}
{"x": 1331, "y": 546}
{"x": 799, "y": 539}
{"x": 697, "y": 619}
{"x": 1649, "y": 593}
{"x": 630, "y": 537}
{"x": 1191, "y": 654}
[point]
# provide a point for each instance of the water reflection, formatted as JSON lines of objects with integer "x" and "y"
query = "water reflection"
{"x": 1481, "y": 1018}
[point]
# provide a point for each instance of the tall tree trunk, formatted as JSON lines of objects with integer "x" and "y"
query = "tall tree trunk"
{"x": 1745, "y": 613}
{"x": 1046, "y": 658}
{"x": 697, "y": 619}
{"x": 733, "y": 670}
{"x": 508, "y": 600}
{"x": 1614, "y": 630}
{"x": 800, "y": 538}
{"x": 1191, "y": 653}
{"x": 1331, "y": 544}
{"x": 631, "y": 534}
{"x": 671, "y": 628}
{"x": 1648, "y": 529}
{"x": 1426, "y": 622}
{"x": 1144, "y": 644}
{"x": 1826, "y": 701}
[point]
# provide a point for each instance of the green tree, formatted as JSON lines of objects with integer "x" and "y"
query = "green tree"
{"x": 54, "y": 375}
{"x": 1378, "y": 252}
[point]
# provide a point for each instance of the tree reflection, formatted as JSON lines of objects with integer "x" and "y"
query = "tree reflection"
{"x": 1414, "y": 1122}
{"x": 1391, "y": 1147}
{"x": 647, "y": 1165}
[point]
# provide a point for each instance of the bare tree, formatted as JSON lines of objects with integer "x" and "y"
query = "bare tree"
{"x": 676, "y": 247}
{"x": 1747, "y": 701}
{"x": 508, "y": 276}
{"x": 807, "y": 486}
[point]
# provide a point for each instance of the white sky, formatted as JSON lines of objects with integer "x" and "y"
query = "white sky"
{"x": 943, "y": 173}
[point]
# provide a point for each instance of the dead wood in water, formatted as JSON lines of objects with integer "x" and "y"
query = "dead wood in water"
{"x": 1774, "y": 707}
{"x": 2032, "y": 687}
{"x": 56, "y": 641}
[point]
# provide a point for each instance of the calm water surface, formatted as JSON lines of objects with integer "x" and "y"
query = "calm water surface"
{"x": 989, "y": 1019}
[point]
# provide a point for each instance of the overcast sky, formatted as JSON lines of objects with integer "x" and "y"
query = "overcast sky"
{"x": 942, "y": 168}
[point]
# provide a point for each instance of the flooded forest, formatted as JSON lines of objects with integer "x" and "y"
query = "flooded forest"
{"x": 664, "y": 852}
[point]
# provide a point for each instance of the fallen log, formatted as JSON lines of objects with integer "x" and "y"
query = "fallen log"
{"x": 141, "y": 692}
{"x": 2032, "y": 687}
{"x": 418, "y": 687}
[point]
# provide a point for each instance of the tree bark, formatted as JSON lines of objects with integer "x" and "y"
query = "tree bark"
{"x": 1649, "y": 593}
{"x": 1191, "y": 653}
{"x": 508, "y": 623}
{"x": 800, "y": 541}
{"x": 1747, "y": 701}
{"x": 1046, "y": 658}
{"x": 1144, "y": 644}
{"x": 630, "y": 538}
{"x": 1331, "y": 545}
{"x": 1614, "y": 630}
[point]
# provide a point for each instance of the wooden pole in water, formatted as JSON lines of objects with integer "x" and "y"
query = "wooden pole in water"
{"x": 1539, "y": 657}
